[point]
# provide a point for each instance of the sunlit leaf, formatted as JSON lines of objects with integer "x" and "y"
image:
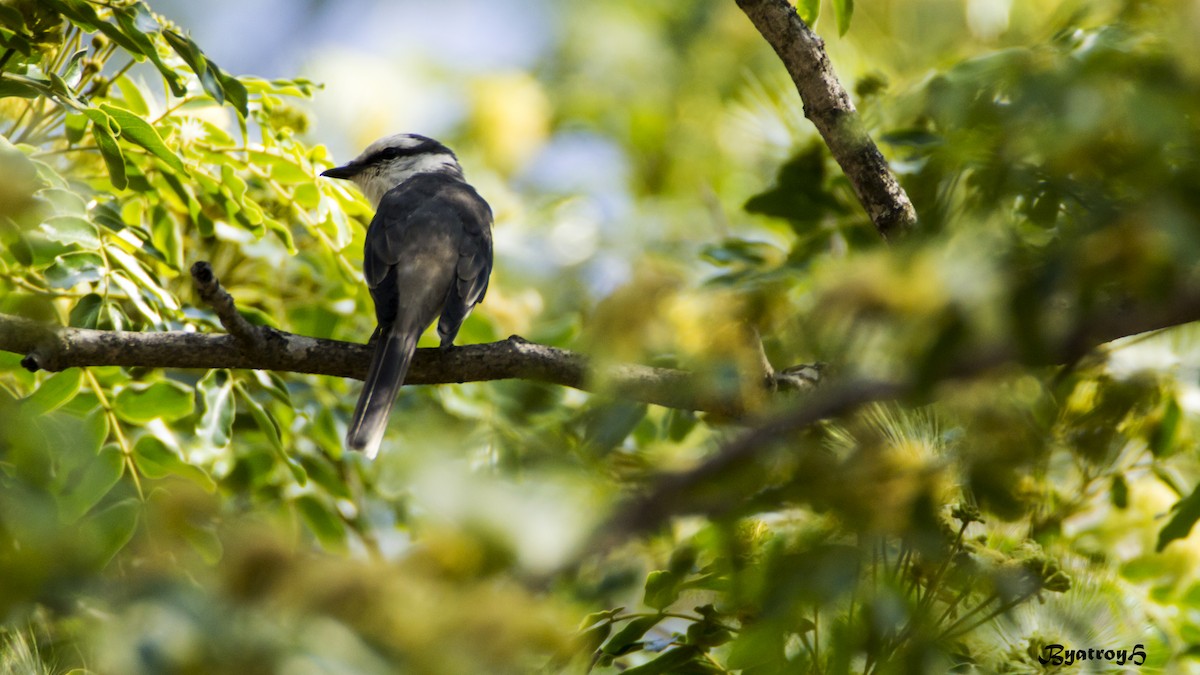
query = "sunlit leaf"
{"x": 138, "y": 131}
{"x": 54, "y": 391}
{"x": 164, "y": 399}
{"x": 134, "y": 293}
{"x": 72, "y": 269}
{"x": 1187, "y": 512}
{"x": 110, "y": 150}
{"x": 155, "y": 459}
{"x": 217, "y": 408}
{"x": 843, "y": 10}
{"x": 72, "y": 230}
{"x": 809, "y": 10}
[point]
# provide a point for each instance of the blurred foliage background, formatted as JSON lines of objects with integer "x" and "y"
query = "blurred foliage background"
{"x": 658, "y": 191}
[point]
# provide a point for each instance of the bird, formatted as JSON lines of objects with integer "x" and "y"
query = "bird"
{"x": 427, "y": 255}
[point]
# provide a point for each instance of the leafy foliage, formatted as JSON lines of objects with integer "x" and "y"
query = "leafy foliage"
{"x": 209, "y": 521}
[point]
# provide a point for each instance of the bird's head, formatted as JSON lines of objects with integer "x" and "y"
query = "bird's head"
{"x": 390, "y": 161}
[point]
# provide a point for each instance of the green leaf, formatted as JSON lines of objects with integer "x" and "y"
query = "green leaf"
{"x": 110, "y": 150}
{"x": 64, "y": 202}
{"x": 662, "y": 589}
{"x": 138, "y": 131}
{"x": 92, "y": 483}
{"x": 809, "y": 10}
{"x": 11, "y": 19}
{"x": 605, "y": 616}
{"x": 323, "y": 522}
{"x": 132, "y": 96}
{"x": 145, "y": 280}
{"x": 190, "y": 52}
{"x": 625, "y": 641}
{"x": 107, "y": 532}
{"x": 843, "y": 9}
{"x": 758, "y": 646}
{"x": 54, "y": 391}
{"x": 270, "y": 428}
{"x": 205, "y": 541}
{"x": 164, "y": 399}
{"x": 133, "y": 31}
{"x": 679, "y": 423}
{"x": 23, "y": 87}
{"x": 670, "y": 662}
{"x": 77, "y": 12}
{"x": 1120, "y": 491}
{"x": 217, "y": 408}
{"x": 73, "y": 70}
{"x": 72, "y": 230}
{"x": 86, "y": 312}
{"x": 235, "y": 91}
{"x": 709, "y": 632}
{"x": 265, "y": 421}
{"x": 912, "y": 138}
{"x": 75, "y": 268}
{"x": 154, "y": 459}
{"x": 590, "y": 640}
{"x": 1187, "y": 512}
{"x": 1162, "y": 436}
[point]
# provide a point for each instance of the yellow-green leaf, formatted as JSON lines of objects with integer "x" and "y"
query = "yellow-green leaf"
{"x": 137, "y": 130}
{"x": 54, "y": 391}
{"x": 164, "y": 399}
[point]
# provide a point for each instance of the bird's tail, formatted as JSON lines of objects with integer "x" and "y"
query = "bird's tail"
{"x": 389, "y": 365}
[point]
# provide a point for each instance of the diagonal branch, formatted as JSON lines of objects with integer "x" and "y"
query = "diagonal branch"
{"x": 828, "y": 106}
{"x": 686, "y": 492}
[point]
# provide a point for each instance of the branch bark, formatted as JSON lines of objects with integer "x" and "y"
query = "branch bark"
{"x": 253, "y": 347}
{"x": 58, "y": 348}
{"x": 828, "y": 106}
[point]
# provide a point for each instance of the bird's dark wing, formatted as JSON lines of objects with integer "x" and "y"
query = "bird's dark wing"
{"x": 474, "y": 261}
{"x": 420, "y": 228}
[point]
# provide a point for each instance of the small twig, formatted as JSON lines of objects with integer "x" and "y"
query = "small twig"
{"x": 210, "y": 290}
{"x": 115, "y": 424}
{"x": 764, "y": 364}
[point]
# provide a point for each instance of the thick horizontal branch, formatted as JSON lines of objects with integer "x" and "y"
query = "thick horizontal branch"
{"x": 58, "y": 348}
{"x": 828, "y": 106}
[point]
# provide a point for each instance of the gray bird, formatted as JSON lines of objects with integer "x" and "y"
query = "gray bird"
{"x": 428, "y": 254}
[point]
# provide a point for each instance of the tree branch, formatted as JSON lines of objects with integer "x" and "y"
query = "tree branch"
{"x": 828, "y": 106}
{"x": 685, "y": 492}
{"x": 263, "y": 348}
{"x": 212, "y": 292}
{"x": 58, "y": 348}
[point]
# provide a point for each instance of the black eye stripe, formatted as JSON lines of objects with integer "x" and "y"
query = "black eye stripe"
{"x": 388, "y": 154}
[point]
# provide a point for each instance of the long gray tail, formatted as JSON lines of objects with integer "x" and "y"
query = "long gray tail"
{"x": 389, "y": 365}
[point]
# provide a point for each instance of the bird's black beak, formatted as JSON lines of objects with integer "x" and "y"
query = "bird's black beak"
{"x": 347, "y": 171}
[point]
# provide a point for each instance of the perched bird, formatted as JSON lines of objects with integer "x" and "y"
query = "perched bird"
{"x": 428, "y": 254}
